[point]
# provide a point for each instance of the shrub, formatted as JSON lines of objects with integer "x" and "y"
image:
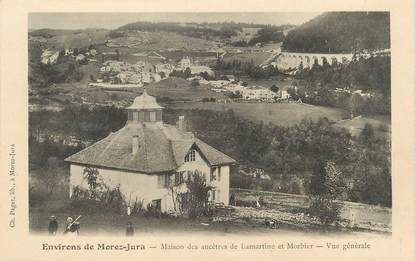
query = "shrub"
{"x": 138, "y": 207}
{"x": 194, "y": 202}
{"x": 36, "y": 198}
{"x": 326, "y": 210}
{"x": 327, "y": 186}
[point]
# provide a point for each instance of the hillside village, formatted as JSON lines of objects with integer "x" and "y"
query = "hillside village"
{"x": 275, "y": 115}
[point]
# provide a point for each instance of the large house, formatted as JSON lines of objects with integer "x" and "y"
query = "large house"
{"x": 49, "y": 57}
{"x": 150, "y": 160}
{"x": 258, "y": 93}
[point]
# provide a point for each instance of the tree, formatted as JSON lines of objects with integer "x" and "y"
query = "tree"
{"x": 51, "y": 174}
{"x": 91, "y": 176}
{"x": 356, "y": 105}
{"x": 327, "y": 186}
{"x": 187, "y": 73}
{"x": 194, "y": 201}
{"x": 368, "y": 134}
{"x": 274, "y": 88}
{"x": 194, "y": 83}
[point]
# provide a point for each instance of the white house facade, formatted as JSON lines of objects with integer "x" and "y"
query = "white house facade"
{"x": 150, "y": 161}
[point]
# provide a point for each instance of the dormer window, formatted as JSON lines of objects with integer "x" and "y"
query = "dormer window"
{"x": 191, "y": 156}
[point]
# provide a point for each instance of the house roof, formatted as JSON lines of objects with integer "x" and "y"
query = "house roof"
{"x": 145, "y": 101}
{"x": 161, "y": 148}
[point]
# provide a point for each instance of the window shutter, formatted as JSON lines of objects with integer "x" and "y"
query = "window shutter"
{"x": 166, "y": 180}
{"x": 160, "y": 181}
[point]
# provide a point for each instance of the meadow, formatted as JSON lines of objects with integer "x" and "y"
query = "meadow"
{"x": 282, "y": 114}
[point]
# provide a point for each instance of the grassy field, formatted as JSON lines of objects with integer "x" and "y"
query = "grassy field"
{"x": 113, "y": 224}
{"x": 78, "y": 39}
{"x": 288, "y": 114}
{"x": 181, "y": 89}
{"x": 285, "y": 114}
{"x": 172, "y": 89}
{"x": 290, "y": 202}
{"x": 165, "y": 40}
{"x": 382, "y": 125}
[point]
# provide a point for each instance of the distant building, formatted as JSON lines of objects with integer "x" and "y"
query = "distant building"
{"x": 80, "y": 57}
{"x": 68, "y": 51}
{"x": 149, "y": 160}
{"x": 283, "y": 95}
{"x": 166, "y": 68}
{"x": 146, "y": 77}
{"x": 185, "y": 62}
{"x": 197, "y": 69}
{"x": 156, "y": 77}
{"x": 93, "y": 52}
{"x": 123, "y": 77}
{"x": 258, "y": 93}
{"x": 235, "y": 88}
{"x": 135, "y": 78}
{"x": 219, "y": 83}
{"x": 49, "y": 57}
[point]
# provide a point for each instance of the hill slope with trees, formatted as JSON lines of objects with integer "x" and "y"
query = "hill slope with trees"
{"x": 341, "y": 32}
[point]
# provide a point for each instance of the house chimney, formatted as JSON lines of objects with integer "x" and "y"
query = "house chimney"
{"x": 135, "y": 144}
{"x": 181, "y": 123}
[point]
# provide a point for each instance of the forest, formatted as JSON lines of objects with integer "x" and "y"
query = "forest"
{"x": 341, "y": 32}
{"x": 244, "y": 68}
{"x": 372, "y": 75}
{"x": 300, "y": 150}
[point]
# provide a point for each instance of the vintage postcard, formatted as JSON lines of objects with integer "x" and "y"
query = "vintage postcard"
{"x": 187, "y": 129}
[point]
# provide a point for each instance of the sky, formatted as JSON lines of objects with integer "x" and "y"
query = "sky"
{"x": 115, "y": 20}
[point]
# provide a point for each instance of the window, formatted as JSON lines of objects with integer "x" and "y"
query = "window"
{"x": 163, "y": 181}
{"x": 152, "y": 116}
{"x": 146, "y": 116}
{"x": 213, "y": 173}
{"x": 179, "y": 178}
{"x": 141, "y": 116}
{"x": 191, "y": 156}
{"x": 135, "y": 114}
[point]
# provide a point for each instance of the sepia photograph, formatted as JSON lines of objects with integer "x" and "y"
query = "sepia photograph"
{"x": 233, "y": 123}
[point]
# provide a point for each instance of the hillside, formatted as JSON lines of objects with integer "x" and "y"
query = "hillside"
{"x": 56, "y": 38}
{"x": 228, "y": 32}
{"x": 341, "y": 32}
